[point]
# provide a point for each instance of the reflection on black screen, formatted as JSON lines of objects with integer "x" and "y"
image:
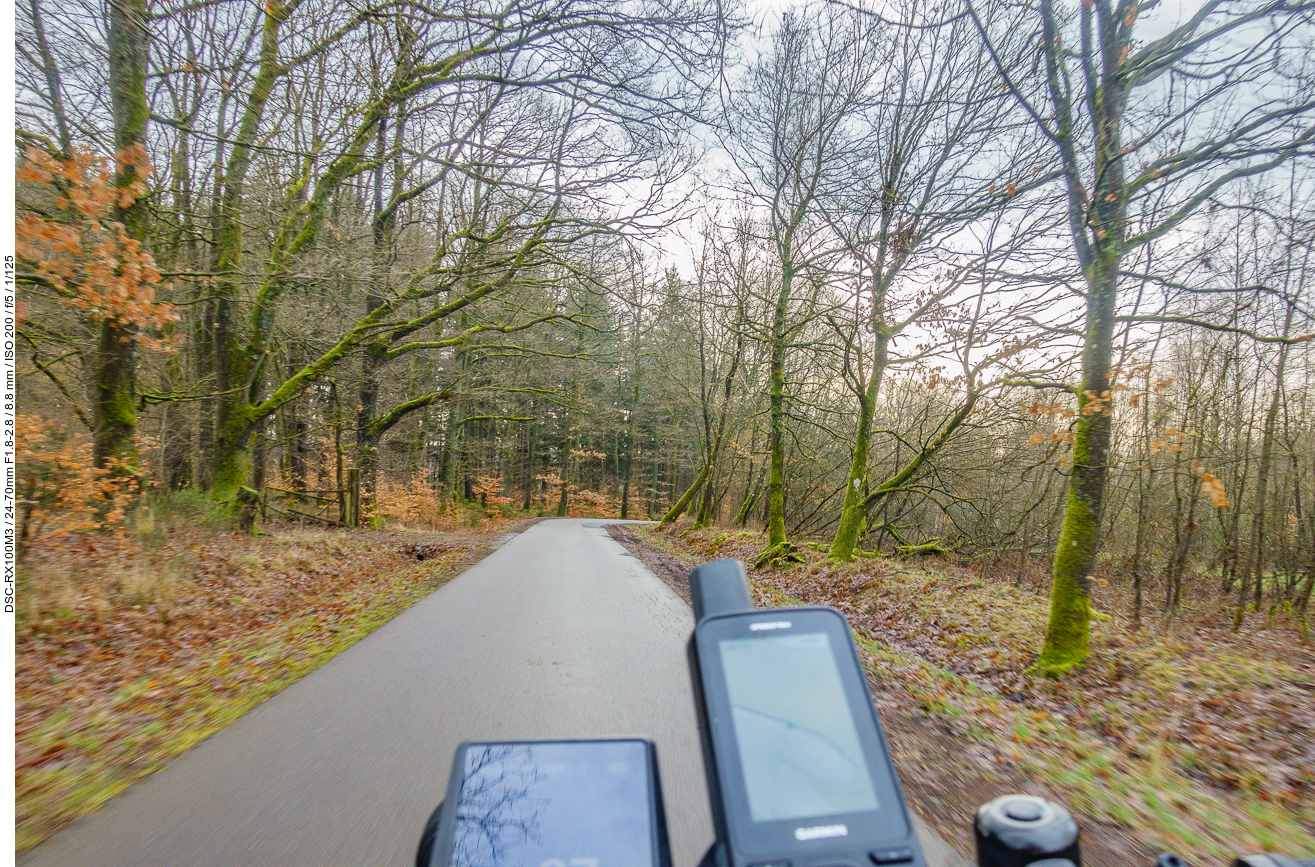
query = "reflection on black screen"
{"x": 554, "y": 805}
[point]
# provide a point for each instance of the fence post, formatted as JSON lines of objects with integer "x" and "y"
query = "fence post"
{"x": 353, "y": 497}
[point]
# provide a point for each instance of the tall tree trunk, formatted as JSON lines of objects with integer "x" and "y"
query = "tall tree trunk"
{"x": 568, "y": 445}
{"x": 629, "y": 471}
{"x": 1068, "y": 631}
{"x": 1256, "y": 559}
{"x": 367, "y": 412}
{"x": 1139, "y": 545}
{"x": 114, "y": 368}
{"x": 531, "y": 452}
{"x": 855, "y": 508}
{"x": 778, "y": 546}
{"x": 367, "y": 409}
{"x": 1145, "y": 485}
{"x": 447, "y": 465}
{"x": 236, "y": 375}
{"x": 382, "y": 226}
{"x": 630, "y": 430}
{"x": 1098, "y": 225}
{"x": 175, "y": 424}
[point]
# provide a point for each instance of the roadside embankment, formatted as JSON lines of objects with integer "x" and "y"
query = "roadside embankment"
{"x": 1197, "y": 740}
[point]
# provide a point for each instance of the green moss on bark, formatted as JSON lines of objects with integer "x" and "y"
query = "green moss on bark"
{"x": 1068, "y": 631}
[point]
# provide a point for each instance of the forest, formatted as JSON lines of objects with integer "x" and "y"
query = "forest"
{"x": 1025, "y": 286}
{"x": 914, "y": 279}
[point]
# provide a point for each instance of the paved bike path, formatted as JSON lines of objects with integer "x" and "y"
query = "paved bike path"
{"x": 560, "y": 632}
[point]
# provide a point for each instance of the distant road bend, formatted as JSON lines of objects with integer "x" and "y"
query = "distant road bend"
{"x": 560, "y": 633}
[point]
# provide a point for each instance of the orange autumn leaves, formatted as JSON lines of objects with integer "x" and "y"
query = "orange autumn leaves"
{"x": 1212, "y": 488}
{"x": 63, "y": 493}
{"x": 75, "y": 247}
{"x": 1168, "y": 441}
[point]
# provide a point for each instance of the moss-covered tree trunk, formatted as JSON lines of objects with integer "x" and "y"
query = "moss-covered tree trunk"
{"x": 855, "y": 508}
{"x": 1068, "y": 629}
{"x": 678, "y": 508}
{"x": 114, "y": 364}
{"x": 1098, "y": 224}
{"x": 776, "y": 539}
{"x": 708, "y": 499}
{"x": 234, "y": 377}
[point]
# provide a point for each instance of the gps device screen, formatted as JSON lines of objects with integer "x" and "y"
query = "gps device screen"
{"x": 798, "y": 766}
{"x": 552, "y": 804}
{"x": 799, "y": 750}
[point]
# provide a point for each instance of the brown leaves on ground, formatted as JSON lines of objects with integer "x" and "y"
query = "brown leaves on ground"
{"x": 129, "y": 653}
{"x": 426, "y": 551}
{"x": 1200, "y": 738}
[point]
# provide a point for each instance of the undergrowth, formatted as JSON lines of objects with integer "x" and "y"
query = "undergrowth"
{"x": 1195, "y": 739}
{"x": 132, "y": 647}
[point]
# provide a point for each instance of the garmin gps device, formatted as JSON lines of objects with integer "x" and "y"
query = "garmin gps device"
{"x": 797, "y": 763}
{"x": 576, "y": 803}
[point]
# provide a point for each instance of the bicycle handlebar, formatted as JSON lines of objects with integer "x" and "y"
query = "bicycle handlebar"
{"x": 1017, "y": 830}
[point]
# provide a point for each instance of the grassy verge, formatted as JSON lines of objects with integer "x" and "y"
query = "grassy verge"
{"x": 130, "y": 654}
{"x": 1196, "y": 740}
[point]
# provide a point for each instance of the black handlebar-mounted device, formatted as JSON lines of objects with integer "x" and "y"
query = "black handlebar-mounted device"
{"x": 796, "y": 760}
{"x": 798, "y": 768}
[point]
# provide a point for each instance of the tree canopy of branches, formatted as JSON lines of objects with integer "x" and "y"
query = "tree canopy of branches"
{"x": 965, "y": 278}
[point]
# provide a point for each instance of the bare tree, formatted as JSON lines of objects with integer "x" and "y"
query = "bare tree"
{"x": 1129, "y": 121}
{"x": 796, "y": 129}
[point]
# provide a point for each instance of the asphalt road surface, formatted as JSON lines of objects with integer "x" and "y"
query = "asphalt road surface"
{"x": 560, "y": 633}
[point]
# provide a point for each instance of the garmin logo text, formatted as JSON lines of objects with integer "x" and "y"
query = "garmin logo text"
{"x": 770, "y": 624}
{"x": 820, "y": 832}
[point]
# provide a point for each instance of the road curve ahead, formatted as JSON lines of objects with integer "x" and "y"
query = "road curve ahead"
{"x": 559, "y": 633}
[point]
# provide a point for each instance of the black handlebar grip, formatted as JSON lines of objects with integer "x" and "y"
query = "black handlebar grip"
{"x": 1018, "y": 830}
{"x": 719, "y": 587}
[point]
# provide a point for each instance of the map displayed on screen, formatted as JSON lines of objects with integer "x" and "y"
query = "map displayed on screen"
{"x": 797, "y": 743}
